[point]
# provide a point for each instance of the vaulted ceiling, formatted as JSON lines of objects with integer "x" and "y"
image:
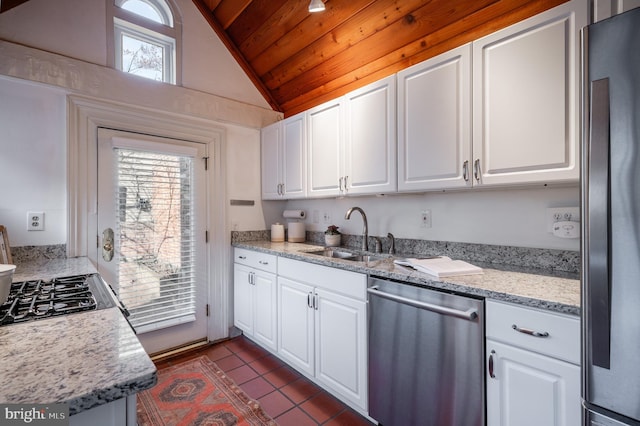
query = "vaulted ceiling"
{"x": 299, "y": 59}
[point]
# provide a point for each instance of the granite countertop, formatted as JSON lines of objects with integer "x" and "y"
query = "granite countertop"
{"x": 83, "y": 359}
{"x": 553, "y": 291}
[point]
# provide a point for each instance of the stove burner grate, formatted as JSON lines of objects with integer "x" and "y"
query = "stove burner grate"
{"x": 36, "y": 299}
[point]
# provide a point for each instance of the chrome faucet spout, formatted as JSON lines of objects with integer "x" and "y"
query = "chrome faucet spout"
{"x": 392, "y": 246}
{"x": 365, "y": 229}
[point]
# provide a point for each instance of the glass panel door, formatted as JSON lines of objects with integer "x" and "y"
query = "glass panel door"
{"x": 151, "y": 204}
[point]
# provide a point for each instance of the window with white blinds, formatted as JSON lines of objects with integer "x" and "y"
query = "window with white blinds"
{"x": 155, "y": 223}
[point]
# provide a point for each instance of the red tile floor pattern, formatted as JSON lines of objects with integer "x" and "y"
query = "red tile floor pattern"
{"x": 286, "y": 395}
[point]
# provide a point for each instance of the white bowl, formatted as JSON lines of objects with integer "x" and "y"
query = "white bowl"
{"x": 6, "y": 276}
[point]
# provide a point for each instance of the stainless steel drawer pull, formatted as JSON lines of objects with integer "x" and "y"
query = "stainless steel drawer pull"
{"x": 491, "y": 373}
{"x": 242, "y": 257}
{"x": 470, "y": 314}
{"x": 530, "y": 332}
{"x": 263, "y": 262}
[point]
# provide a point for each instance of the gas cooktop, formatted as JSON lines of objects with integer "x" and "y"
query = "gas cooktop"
{"x": 38, "y": 299}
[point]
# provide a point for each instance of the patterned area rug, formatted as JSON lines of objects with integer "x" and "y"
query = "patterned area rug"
{"x": 197, "y": 392}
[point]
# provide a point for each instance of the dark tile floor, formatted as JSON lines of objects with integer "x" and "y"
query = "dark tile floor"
{"x": 287, "y": 396}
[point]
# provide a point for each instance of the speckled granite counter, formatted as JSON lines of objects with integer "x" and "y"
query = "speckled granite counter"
{"x": 558, "y": 292}
{"x": 84, "y": 359}
{"x": 52, "y": 268}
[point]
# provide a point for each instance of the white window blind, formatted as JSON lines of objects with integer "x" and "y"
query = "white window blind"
{"x": 155, "y": 224}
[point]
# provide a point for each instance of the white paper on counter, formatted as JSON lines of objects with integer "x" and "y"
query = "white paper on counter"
{"x": 441, "y": 266}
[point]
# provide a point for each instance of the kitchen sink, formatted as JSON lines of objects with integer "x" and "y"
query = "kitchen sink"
{"x": 332, "y": 253}
{"x": 345, "y": 255}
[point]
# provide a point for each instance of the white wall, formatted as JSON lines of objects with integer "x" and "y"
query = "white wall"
{"x": 32, "y": 161}
{"x": 78, "y": 29}
{"x": 512, "y": 217}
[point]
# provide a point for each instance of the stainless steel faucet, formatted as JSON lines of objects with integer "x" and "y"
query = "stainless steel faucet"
{"x": 392, "y": 247}
{"x": 365, "y": 230}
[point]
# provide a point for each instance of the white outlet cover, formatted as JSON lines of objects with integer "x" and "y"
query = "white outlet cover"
{"x": 561, "y": 214}
{"x": 35, "y": 221}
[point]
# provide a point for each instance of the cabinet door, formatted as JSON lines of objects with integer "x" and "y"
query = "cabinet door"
{"x": 341, "y": 347}
{"x": 243, "y": 298}
{"x": 295, "y": 324}
{"x": 270, "y": 161}
{"x": 324, "y": 140}
{"x": 530, "y": 389}
{"x": 293, "y": 157}
{"x": 265, "y": 329}
{"x": 434, "y": 123}
{"x": 370, "y": 139}
{"x": 526, "y": 98}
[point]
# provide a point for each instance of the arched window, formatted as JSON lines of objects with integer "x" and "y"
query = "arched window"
{"x": 146, "y": 39}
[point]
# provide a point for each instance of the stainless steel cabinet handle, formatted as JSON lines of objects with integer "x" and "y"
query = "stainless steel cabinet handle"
{"x": 315, "y": 302}
{"x": 469, "y": 314}
{"x": 346, "y": 179}
{"x": 340, "y": 184}
{"x": 263, "y": 262}
{"x": 309, "y": 300}
{"x": 242, "y": 257}
{"x": 491, "y": 373}
{"x": 465, "y": 171}
{"x": 476, "y": 169}
{"x": 530, "y": 332}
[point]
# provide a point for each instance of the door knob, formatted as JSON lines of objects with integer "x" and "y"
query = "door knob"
{"x": 107, "y": 244}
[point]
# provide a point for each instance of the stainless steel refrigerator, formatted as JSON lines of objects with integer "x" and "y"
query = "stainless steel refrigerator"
{"x": 611, "y": 221}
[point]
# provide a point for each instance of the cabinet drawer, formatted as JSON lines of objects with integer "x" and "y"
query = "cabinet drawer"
{"x": 562, "y": 341}
{"x": 255, "y": 259}
{"x": 352, "y": 284}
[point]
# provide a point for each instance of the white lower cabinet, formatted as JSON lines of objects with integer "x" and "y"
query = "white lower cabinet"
{"x": 322, "y": 327}
{"x": 121, "y": 412}
{"x": 254, "y": 296}
{"x": 533, "y": 371}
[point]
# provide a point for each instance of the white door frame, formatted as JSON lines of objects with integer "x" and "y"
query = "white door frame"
{"x": 85, "y": 115}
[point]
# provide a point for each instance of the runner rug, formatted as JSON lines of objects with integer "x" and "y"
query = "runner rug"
{"x": 197, "y": 392}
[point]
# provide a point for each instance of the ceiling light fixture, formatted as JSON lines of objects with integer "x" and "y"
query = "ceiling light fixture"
{"x": 316, "y": 6}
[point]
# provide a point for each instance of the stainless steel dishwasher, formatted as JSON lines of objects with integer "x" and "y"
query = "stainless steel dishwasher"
{"x": 426, "y": 356}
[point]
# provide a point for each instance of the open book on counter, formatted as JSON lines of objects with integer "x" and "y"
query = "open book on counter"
{"x": 441, "y": 266}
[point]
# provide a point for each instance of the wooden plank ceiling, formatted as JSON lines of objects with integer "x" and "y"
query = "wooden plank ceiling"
{"x": 299, "y": 59}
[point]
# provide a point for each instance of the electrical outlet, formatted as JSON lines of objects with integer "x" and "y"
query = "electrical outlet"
{"x": 35, "y": 221}
{"x": 562, "y": 214}
{"x": 425, "y": 219}
{"x": 326, "y": 217}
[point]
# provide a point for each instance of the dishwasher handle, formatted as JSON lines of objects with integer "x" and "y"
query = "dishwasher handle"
{"x": 470, "y": 314}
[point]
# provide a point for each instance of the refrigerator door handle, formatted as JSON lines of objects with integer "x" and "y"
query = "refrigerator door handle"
{"x": 599, "y": 227}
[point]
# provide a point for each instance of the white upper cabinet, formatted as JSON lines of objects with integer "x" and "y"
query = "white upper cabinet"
{"x": 370, "y": 139}
{"x": 351, "y": 143}
{"x": 603, "y": 9}
{"x": 271, "y": 161}
{"x": 434, "y": 122}
{"x": 526, "y": 98}
{"x": 283, "y": 157}
{"x": 325, "y": 135}
{"x": 502, "y": 110}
